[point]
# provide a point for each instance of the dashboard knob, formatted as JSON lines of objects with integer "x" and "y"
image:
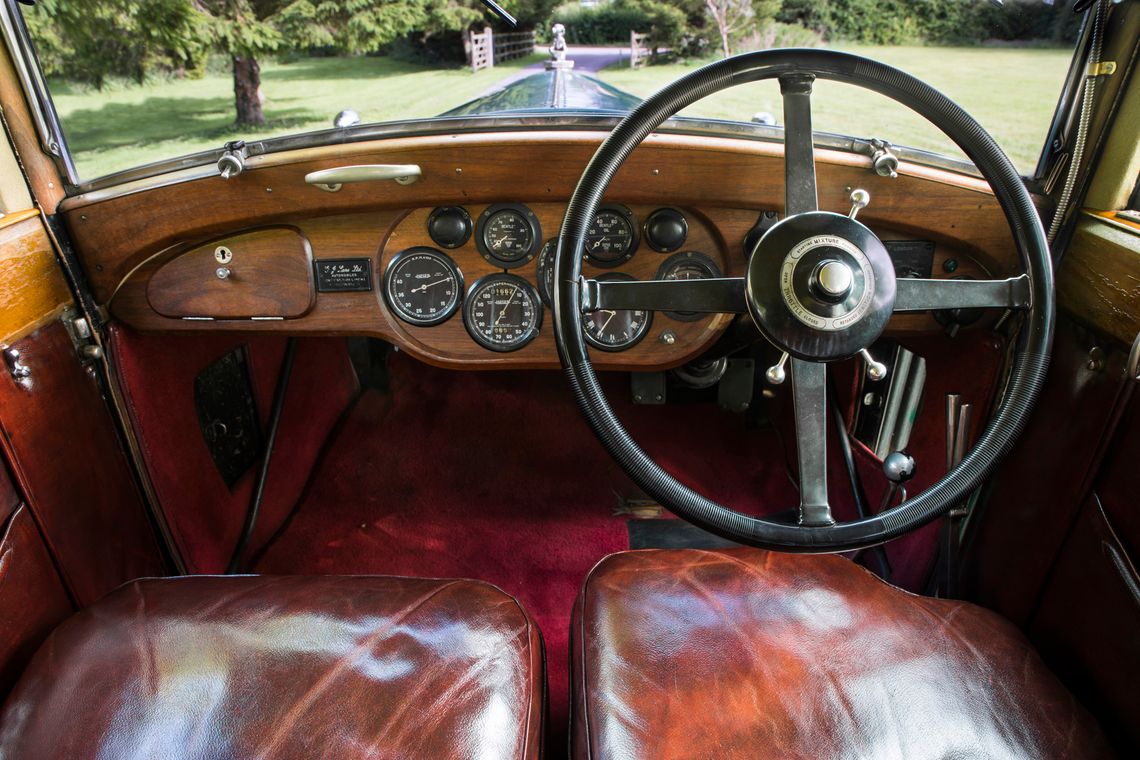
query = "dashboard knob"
{"x": 450, "y": 226}
{"x": 666, "y": 230}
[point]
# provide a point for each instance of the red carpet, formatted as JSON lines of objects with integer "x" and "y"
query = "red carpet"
{"x": 496, "y": 476}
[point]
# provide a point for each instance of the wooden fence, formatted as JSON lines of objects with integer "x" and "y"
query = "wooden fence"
{"x": 639, "y": 49}
{"x": 485, "y": 49}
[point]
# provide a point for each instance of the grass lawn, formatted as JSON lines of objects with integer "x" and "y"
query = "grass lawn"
{"x": 1012, "y": 92}
{"x": 126, "y": 126}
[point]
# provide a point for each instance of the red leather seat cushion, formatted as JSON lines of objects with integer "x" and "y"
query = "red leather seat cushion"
{"x": 284, "y": 667}
{"x": 753, "y": 654}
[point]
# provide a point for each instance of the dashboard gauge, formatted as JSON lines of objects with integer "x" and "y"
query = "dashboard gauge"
{"x": 688, "y": 265}
{"x": 618, "y": 330}
{"x": 545, "y": 273}
{"x": 612, "y": 236}
{"x": 423, "y": 286}
{"x": 502, "y": 312}
{"x": 508, "y": 234}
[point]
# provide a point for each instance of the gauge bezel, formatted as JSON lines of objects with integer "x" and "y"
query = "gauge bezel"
{"x": 543, "y": 293}
{"x": 634, "y": 240}
{"x": 437, "y": 211}
{"x": 611, "y": 347}
{"x": 457, "y": 273}
{"x": 469, "y": 304}
{"x": 528, "y": 216}
{"x": 684, "y": 257}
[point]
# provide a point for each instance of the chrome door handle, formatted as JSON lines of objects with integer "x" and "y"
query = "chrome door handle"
{"x": 331, "y": 180}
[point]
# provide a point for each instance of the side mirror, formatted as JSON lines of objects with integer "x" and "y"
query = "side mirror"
{"x": 346, "y": 119}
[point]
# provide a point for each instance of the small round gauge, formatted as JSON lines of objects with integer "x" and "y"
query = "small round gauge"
{"x": 502, "y": 312}
{"x": 423, "y": 286}
{"x": 618, "y": 330}
{"x": 508, "y": 234}
{"x": 612, "y": 236}
{"x": 688, "y": 265}
{"x": 545, "y": 272}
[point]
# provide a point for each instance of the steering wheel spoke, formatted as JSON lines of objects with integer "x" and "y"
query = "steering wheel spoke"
{"x": 923, "y": 295}
{"x": 722, "y": 295}
{"x": 809, "y": 395}
{"x": 799, "y": 147}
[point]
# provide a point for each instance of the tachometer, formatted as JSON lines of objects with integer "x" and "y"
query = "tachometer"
{"x": 423, "y": 286}
{"x": 508, "y": 234}
{"x": 616, "y": 330}
{"x": 688, "y": 265}
{"x": 612, "y": 236}
{"x": 502, "y": 312}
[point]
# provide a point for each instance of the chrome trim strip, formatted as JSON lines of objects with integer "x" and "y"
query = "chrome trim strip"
{"x": 31, "y": 78}
{"x": 203, "y": 164}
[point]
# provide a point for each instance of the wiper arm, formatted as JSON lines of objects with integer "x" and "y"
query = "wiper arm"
{"x": 501, "y": 12}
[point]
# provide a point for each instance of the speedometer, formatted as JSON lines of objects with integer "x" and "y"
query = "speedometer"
{"x": 423, "y": 286}
{"x": 612, "y": 236}
{"x": 502, "y": 312}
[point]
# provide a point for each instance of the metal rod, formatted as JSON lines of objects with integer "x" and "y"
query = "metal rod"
{"x": 953, "y": 405}
{"x": 263, "y": 473}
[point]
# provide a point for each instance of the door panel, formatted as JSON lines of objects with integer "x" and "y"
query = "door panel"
{"x": 1088, "y": 623}
{"x": 32, "y": 597}
{"x": 66, "y": 455}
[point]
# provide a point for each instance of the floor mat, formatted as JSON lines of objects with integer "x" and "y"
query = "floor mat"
{"x": 494, "y": 475}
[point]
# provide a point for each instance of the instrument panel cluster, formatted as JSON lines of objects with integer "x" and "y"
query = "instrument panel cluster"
{"x": 494, "y": 270}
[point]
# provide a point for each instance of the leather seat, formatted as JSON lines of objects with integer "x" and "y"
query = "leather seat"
{"x": 753, "y": 654}
{"x": 284, "y": 667}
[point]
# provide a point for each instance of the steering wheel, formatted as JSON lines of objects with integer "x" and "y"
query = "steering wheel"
{"x": 821, "y": 287}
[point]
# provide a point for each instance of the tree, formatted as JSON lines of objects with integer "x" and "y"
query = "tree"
{"x": 736, "y": 18}
{"x": 91, "y": 41}
{"x": 249, "y": 30}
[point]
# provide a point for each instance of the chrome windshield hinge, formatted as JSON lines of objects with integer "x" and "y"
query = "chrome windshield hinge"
{"x": 232, "y": 161}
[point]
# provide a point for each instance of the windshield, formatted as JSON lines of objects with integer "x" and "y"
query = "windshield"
{"x": 142, "y": 81}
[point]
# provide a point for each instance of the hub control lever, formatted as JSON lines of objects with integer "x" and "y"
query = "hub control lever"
{"x": 876, "y": 370}
{"x": 776, "y": 374}
{"x": 859, "y": 200}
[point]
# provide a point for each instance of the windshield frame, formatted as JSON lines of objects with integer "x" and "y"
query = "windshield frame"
{"x": 54, "y": 143}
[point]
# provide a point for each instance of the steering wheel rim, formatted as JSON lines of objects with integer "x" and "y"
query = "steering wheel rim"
{"x": 793, "y": 68}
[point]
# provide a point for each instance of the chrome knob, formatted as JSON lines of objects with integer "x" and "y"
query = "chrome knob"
{"x": 876, "y": 370}
{"x": 223, "y": 273}
{"x": 859, "y": 200}
{"x": 898, "y": 467}
{"x": 776, "y": 374}
{"x": 834, "y": 279}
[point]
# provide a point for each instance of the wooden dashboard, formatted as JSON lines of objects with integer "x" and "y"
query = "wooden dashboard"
{"x": 152, "y": 251}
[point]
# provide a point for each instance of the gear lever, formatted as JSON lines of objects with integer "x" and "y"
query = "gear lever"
{"x": 899, "y": 468}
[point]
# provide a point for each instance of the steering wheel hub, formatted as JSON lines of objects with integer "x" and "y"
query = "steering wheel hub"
{"x": 820, "y": 286}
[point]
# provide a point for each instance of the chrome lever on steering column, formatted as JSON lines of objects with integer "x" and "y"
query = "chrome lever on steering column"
{"x": 860, "y": 199}
{"x": 776, "y": 374}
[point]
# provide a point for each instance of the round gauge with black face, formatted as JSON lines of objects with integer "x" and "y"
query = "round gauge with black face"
{"x": 545, "y": 272}
{"x": 616, "y": 330}
{"x": 423, "y": 286}
{"x": 502, "y": 312}
{"x": 688, "y": 265}
{"x": 508, "y": 234}
{"x": 612, "y": 236}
